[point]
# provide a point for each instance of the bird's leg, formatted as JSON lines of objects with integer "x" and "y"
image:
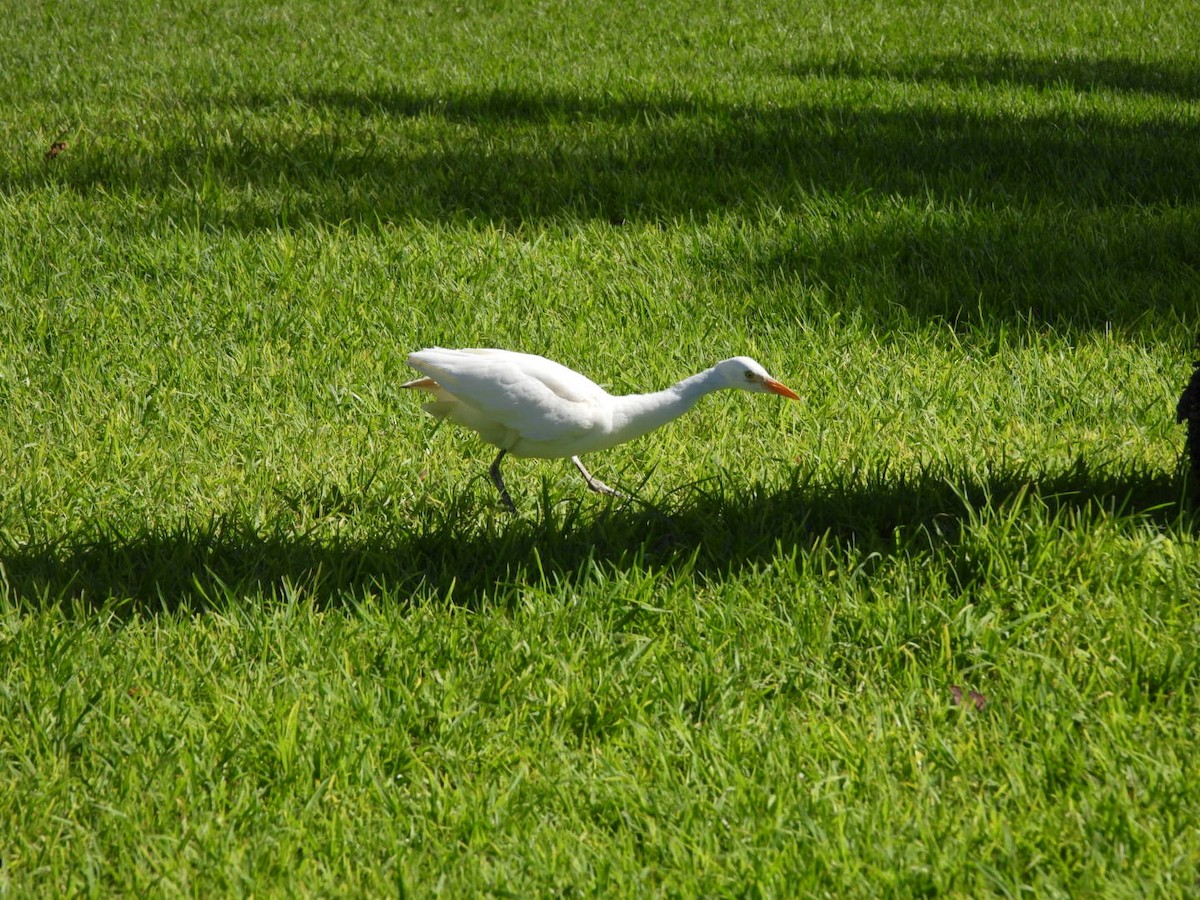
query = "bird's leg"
{"x": 593, "y": 482}
{"x": 498, "y": 480}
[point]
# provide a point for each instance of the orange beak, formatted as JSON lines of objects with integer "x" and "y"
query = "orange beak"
{"x": 782, "y": 390}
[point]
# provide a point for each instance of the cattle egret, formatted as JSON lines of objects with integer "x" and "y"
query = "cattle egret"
{"x": 530, "y": 406}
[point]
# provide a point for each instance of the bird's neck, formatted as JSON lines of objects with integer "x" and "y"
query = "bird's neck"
{"x": 637, "y": 414}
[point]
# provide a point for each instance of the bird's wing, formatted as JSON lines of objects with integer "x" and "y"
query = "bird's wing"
{"x": 535, "y": 397}
{"x": 451, "y": 364}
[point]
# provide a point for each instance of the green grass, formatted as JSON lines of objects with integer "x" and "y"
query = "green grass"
{"x": 265, "y": 628}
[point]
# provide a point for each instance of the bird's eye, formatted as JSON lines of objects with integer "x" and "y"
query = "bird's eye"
{"x": 749, "y": 375}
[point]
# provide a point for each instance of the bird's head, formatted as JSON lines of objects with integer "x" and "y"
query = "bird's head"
{"x": 745, "y": 374}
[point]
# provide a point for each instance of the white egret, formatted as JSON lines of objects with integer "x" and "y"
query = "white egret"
{"x": 530, "y": 406}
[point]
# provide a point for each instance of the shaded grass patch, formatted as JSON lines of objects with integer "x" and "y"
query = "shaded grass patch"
{"x": 714, "y": 530}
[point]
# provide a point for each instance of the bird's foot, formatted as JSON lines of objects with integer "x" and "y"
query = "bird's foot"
{"x": 595, "y": 483}
{"x": 508, "y": 502}
{"x": 601, "y": 488}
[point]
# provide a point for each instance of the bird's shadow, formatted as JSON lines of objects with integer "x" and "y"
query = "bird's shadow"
{"x": 457, "y": 555}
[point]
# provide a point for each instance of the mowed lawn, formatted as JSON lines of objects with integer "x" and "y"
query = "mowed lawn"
{"x": 265, "y": 627}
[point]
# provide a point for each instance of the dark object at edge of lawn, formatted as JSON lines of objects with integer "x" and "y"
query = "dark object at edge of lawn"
{"x": 1189, "y": 410}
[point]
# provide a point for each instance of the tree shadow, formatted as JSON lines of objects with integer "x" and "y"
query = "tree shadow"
{"x": 1084, "y": 271}
{"x": 454, "y": 557}
{"x": 1118, "y": 193}
{"x": 1079, "y": 218}
{"x": 1076, "y": 72}
{"x": 511, "y": 156}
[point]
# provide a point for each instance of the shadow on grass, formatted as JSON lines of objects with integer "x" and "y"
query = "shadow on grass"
{"x": 1177, "y": 81}
{"x": 1096, "y": 209}
{"x": 711, "y": 533}
{"x": 512, "y": 155}
{"x": 1128, "y": 268}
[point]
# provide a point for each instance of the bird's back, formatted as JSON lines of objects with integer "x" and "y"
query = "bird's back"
{"x": 518, "y": 401}
{"x": 471, "y": 367}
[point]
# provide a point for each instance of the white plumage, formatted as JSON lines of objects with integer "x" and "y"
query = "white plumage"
{"x": 528, "y": 405}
